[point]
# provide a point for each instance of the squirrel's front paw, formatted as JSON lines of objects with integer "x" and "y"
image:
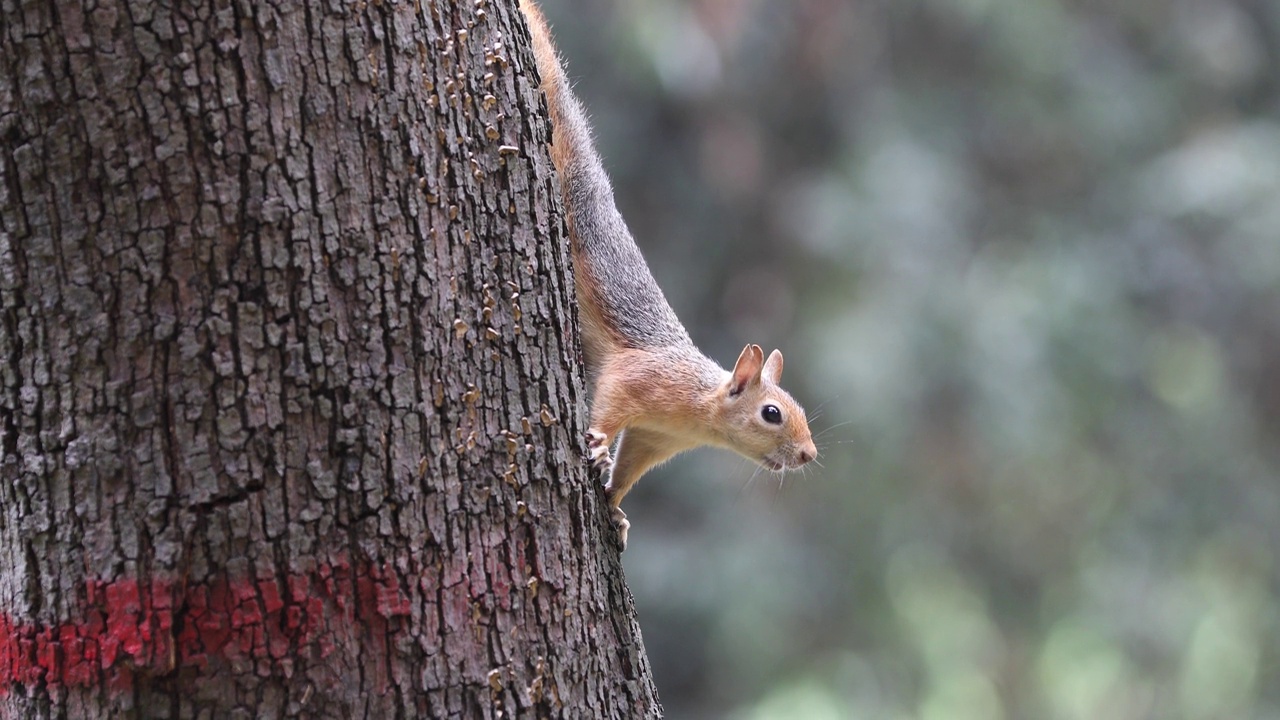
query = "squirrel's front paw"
{"x": 598, "y": 449}
{"x": 621, "y": 523}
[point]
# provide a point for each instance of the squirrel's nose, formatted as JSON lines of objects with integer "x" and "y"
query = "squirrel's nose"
{"x": 807, "y": 453}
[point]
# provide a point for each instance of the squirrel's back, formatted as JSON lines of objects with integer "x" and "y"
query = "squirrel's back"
{"x": 622, "y": 305}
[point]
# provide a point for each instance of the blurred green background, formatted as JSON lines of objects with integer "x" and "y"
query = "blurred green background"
{"x": 1023, "y": 257}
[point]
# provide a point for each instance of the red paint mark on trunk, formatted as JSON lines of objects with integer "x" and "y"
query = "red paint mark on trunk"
{"x": 129, "y": 628}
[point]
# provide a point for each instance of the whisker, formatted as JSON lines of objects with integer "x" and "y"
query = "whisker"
{"x": 832, "y": 427}
{"x": 825, "y": 403}
{"x": 746, "y": 488}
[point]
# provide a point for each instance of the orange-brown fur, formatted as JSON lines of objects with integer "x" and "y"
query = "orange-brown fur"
{"x": 544, "y": 52}
{"x": 653, "y": 391}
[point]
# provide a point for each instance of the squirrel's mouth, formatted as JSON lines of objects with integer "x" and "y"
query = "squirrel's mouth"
{"x": 771, "y": 464}
{"x": 788, "y": 462}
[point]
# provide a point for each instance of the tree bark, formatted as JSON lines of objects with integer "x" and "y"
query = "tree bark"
{"x": 292, "y": 405}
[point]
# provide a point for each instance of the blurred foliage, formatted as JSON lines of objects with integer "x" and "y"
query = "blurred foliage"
{"x": 1023, "y": 257}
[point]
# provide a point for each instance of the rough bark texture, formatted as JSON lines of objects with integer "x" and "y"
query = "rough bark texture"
{"x": 291, "y": 405}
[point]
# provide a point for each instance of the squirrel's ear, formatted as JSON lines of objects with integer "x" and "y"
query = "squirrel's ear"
{"x": 773, "y": 367}
{"x": 747, "y": 369}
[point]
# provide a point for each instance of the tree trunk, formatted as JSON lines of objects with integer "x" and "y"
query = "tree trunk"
{"x": 292, "y": 409}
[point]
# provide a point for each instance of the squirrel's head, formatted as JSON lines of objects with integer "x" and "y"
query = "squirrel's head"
{"x": 762, "y": 421}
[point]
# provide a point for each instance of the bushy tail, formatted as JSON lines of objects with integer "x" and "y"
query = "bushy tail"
{"x": 571, "y": 148}
{"x": 622, "y": 304}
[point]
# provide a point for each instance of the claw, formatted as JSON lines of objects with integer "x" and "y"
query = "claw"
{"x": 598, "y": 450}
{"x": 620, "y": 523}
{"x": 600, "y": 458}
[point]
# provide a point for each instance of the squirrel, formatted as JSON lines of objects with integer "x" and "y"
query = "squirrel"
{"x": 652, "y": 389}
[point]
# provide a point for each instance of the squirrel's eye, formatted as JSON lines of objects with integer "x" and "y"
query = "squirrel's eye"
{"x": 771, "y": 414}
